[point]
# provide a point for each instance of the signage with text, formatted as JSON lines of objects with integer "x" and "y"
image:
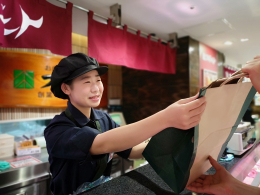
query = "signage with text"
{"x": 22, "y": 77}
{"x": 208, "y": 64}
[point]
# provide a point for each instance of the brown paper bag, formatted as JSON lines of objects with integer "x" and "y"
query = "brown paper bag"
{"x": 178, "y": 156}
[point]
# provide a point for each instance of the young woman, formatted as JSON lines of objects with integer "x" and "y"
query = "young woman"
{"x": 81, "y": 141}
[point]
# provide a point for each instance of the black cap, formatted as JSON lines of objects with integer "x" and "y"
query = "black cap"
{"x": 70, "y": 68}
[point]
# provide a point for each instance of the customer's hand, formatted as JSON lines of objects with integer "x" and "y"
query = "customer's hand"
{"x": 185, "y": 113}
{"x": 222, "y": 182}
{"x": 219, "y": 183}
{"x": 253, "y": 69}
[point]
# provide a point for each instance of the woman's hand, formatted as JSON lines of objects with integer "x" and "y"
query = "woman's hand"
{"x": 185, "y": 113}
{"x": 253, "y": 69}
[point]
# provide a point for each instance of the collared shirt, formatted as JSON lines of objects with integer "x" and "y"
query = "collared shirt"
{"x": 71, "y": 163}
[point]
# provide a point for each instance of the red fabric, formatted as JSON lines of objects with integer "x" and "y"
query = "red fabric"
{"x": 49, "y": 27}
{"x": 115, "y": 46}
{"x": 1, "y": 26}
{"x": 228, "y": 72}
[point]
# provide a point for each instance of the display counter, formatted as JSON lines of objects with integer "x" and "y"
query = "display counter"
{"x": 247, "y": 170}
{"x": 33, "y": 178}
{"x": 144, "y": 180}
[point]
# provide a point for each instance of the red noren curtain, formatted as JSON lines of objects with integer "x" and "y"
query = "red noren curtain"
{"x": 111, "y": 45}
{"x": 36, "y": 24}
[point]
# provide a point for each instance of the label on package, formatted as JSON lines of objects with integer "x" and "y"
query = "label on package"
{"x": 23, "y": 161}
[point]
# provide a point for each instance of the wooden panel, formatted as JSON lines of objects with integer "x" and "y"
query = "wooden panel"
{"x": 221, "y": 60}
{"x": 78, "y": 49}
{"x": 115, "y": 92}
{"x": 104, "y": 100}
{"x": 30, "y": 50}
{"x": 21, "y": 90}
{"x": 75, "y": 39}
{"x": 84, "y": 50}
{"x": 84, "y": 41}
{"x": 79, "y": 40}
{"x": 79, "y": 43}
{"x": 22, "y": 113}
{"x": 16, "y": 91}
{"x": 194, "y": 66}
{"x": 115, "y": 82}
{"x": 75, "y": 49}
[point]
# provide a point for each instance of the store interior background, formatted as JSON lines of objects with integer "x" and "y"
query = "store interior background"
{"x": 209, "y": 22}
{"x": 142, "y": 93}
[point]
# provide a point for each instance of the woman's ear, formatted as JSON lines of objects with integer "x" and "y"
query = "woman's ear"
{"x": 65, "y": 88}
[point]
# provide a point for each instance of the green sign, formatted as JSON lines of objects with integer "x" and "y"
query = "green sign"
{"x": 23, "y": 79}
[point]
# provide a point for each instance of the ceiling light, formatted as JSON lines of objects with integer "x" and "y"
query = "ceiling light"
{"x": 228, "y": 43}
{"x": 243, "y": 40}
{"x": 227, "y": 23}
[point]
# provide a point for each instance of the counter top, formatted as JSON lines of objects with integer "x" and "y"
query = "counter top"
{"x": 43, "y": 157}
{"x": 144, "y": 180}
{"x": 23, "y": 176}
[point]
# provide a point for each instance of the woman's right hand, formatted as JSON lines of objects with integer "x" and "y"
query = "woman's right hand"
{"x": 185, "y": 113}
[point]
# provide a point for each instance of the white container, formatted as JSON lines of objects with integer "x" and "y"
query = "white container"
{"x": 27, "y": 150}
{"x": 243, "y": 127}
{"x": 40, "y": 141}
{"x": 6, "y": 145}
{"x": 6, "y": 151}
{"x": 6, "y": 140}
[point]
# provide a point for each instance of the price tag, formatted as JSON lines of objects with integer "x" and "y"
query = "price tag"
{"x": 26, "y": 143}
{"x": 23, "y": 161}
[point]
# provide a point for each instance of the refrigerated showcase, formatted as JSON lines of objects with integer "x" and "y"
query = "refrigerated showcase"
{"x": 247, "y": 169}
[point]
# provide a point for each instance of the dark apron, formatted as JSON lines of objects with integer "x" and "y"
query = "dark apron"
{"x": 101, "y": 163}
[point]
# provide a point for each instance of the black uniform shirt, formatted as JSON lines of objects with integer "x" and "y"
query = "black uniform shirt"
{"x": 68, "y": 146}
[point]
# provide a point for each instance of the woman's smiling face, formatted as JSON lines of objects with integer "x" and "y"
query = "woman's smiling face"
{"x": 86, "y": 90}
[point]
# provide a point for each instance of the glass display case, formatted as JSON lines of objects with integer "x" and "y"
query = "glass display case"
{"x": 24, "y": 128}
{"x": 247, "y": 169}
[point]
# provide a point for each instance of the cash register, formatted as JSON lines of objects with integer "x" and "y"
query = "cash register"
{"x": 242, "y": 140}
{"x": 118, "y": 118}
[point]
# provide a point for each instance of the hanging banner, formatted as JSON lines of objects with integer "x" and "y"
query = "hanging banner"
{"x": 208, "y": 65}
{"x": 111, "y": 45}
{"x": 36, "y": 24}
{"x": 1, "y": 26}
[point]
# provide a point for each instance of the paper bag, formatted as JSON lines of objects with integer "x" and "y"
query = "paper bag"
{"x": 180, "y": 156}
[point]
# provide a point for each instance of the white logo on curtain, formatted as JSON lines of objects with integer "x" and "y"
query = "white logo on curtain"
{"x": 26, "y": 22}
